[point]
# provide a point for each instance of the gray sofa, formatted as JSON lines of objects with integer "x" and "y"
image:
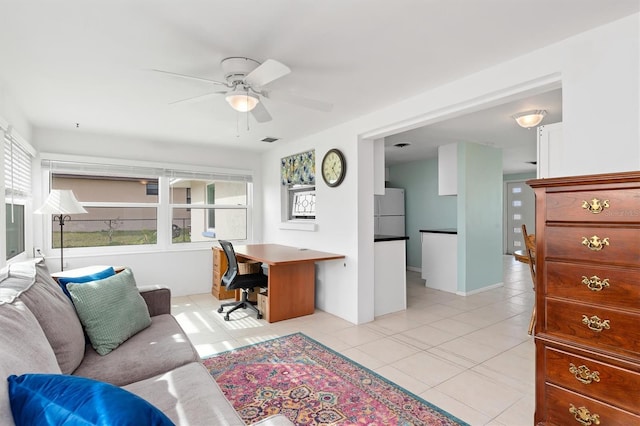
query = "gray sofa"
{"x": 40, "y": 333}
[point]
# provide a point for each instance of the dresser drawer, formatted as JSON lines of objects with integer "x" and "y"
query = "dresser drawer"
{"x": 594, "y": 206}
{"x": 619, "y": 329}
{"x": 591, "y": 283}
{"x": 593, "y": 379}
{"x": 216, "y": 282}
{"x": 217, "y": 258}
{"x": 564, "y": 407}
{"x": 589, "y": 244}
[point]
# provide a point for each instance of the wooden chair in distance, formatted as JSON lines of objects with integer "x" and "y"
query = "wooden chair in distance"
{"x": 528, "y": 256}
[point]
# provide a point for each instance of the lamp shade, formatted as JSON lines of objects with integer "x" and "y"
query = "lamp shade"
{"x": 61, "y": 201}
{"x": 242, "y": 100}
{"x": 529, "y": 119}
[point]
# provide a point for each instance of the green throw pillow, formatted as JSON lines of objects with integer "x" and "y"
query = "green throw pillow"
{"x": 111, "y": 310}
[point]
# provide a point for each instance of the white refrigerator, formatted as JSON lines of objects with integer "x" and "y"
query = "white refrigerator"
{"x": 389, "y": 212}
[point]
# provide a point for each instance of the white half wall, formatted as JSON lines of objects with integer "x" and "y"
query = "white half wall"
{"x": 184, "y": 272}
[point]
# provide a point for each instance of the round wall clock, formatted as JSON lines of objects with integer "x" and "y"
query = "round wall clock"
{"x": 334, "y": 167}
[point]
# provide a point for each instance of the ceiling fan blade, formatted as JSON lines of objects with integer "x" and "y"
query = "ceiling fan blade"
{"x": 207, "y": 80}
{"x": 198, "y": 98}
{"x": 260, "y": 113}
{"x": 266, "y": 72}
{"x": 298, "y": 100}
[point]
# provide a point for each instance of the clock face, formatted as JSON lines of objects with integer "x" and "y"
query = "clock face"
{"x": 334, "y": 167}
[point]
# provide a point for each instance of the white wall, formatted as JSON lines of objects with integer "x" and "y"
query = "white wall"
{"x": 335, "y": 225}
{"x": 599, "y": 70}
{"x": 13, "y": 114}
{"x": 185, "y": 271}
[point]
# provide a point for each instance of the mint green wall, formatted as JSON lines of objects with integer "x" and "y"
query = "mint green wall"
{"x": 476, "y": 211}
{"x": 424, "y": 208}
{"x": 479, "y": 197}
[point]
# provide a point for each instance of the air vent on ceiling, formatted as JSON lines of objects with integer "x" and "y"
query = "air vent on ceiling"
{"x": 269, "y": 139}
{"x": 401, "y": 144}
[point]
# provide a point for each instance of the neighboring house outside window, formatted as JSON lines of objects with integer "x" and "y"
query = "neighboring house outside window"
{"x": 128, "y": 205}
{"x": 119, "y": 211}
{"x": 209, "y": 208}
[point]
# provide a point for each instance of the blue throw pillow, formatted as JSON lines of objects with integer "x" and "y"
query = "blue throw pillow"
{"x": 56, "y": 399}
{"x": 63, "y": 281}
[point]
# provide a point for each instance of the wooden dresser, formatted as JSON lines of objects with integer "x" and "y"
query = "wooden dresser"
{"x": 219, "y": 268}
{"x": 587, "y": 333}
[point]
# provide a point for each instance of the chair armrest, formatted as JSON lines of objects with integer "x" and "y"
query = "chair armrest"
{"x": 157, "y": 298}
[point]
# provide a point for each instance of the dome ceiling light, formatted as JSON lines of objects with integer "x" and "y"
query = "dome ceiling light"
{"x": 529, "y": 119}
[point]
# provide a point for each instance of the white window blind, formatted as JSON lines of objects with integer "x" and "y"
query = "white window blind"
{"x": 17, "y": 170}
{"x": 56, "y": 166}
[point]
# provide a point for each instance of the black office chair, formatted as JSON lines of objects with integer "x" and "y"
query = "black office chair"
{"x": 232, "y": 280}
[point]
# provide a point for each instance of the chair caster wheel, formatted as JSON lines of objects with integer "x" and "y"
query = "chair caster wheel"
{"x": 226, "y": 317}
{"x": 220, "y": 310}
{"x": 259, "y": 316}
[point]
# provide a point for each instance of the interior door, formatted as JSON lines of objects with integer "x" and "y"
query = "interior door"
{"x": 520, "y": 202}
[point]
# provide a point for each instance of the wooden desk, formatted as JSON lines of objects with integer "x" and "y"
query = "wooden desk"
{"x": 292, "y": 277}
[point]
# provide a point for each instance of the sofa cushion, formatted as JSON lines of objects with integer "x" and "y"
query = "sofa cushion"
{"x": 111, "y": 310}
{"x": 188, "y": 395}
{"x": 61, "y": 399}
{"x": 54, "y": 312}
{"x": 156, "y": 349}
{"x": 106, "y": 273}
{"x": 20, "y": 355}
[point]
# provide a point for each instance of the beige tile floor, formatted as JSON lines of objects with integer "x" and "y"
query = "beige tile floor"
{"x": 470, "y": 356}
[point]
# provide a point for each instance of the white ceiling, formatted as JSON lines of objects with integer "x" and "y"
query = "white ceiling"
{"x": 494, "y": 126}
{"x": 89, "y": 62}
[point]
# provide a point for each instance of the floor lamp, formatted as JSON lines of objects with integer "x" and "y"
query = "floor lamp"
{"x": 61, "y": 203}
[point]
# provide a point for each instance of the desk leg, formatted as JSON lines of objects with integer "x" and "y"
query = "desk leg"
{"x": 291, "y": 290}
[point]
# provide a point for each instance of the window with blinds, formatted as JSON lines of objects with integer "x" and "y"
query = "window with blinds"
{"x": 17, "y": 170}
{"x": 17, "y": 184}
{"x": 128, "y": 205}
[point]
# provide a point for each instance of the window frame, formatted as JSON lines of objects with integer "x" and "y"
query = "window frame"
{"x": 164, "y": 217}
{"x": 295, "y": 195}
{"x": 289, "y": 196}
{"x": 23, "y": 254}
{"x": 21, "y": 194}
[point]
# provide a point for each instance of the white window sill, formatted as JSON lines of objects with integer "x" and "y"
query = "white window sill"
{"x": 299, "y": 226}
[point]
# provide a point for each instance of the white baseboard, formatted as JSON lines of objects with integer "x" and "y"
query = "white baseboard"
{"x": 480, "y": 290}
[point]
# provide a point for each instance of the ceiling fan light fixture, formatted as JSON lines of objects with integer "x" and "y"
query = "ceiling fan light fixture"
{"x": 529, "y": 119}
{"x": 242, "y": 100}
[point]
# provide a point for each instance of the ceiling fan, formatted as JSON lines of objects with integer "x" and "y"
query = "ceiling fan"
{"x": 244, "y": 86}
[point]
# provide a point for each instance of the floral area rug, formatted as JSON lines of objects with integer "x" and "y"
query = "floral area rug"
{"x": 312, "y": 385}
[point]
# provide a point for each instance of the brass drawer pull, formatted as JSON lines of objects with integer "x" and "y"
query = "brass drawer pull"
{"x": 595, "y": 206}
{"x": 595, "y": 243}
{"x": 584, "y": 416}
{"x": 595, "y": 283}
{"x": 595, "y": 323}
{"x": 583, "y": 374}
